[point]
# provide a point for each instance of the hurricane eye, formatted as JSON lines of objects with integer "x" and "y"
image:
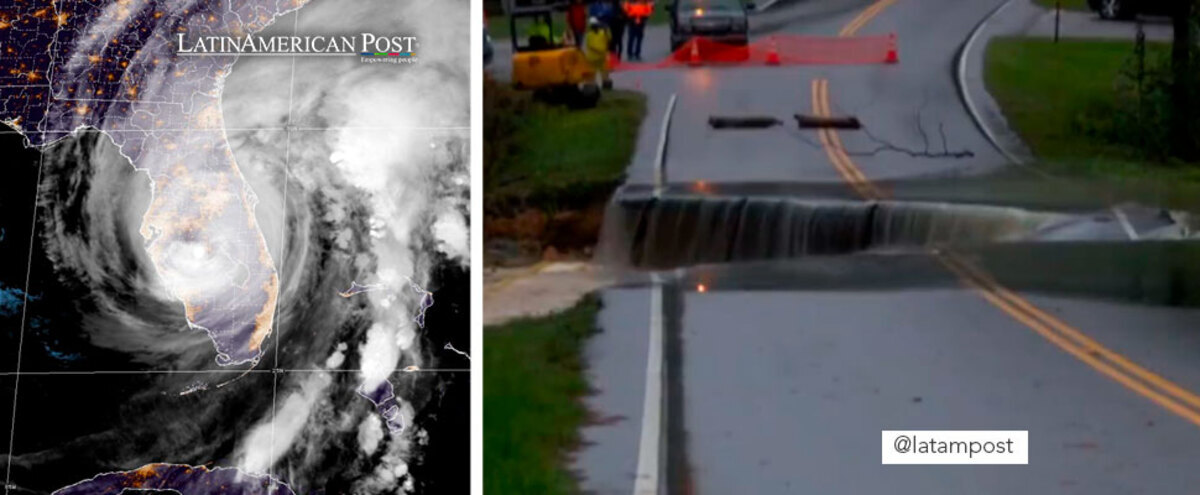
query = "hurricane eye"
{"x": 194, "y": 257}
{"x": 199, "y": 252}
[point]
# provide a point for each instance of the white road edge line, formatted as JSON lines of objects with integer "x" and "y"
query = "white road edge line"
{"x": 966, "y": 96}
{"x": 649, "y": 447}
{"x": 765, "y": 5}
{"x": 1125, "y": 225}
{"x": 660, "y": 158}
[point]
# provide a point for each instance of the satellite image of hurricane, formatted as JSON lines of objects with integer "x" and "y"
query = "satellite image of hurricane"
{"x": 234, "y": 252}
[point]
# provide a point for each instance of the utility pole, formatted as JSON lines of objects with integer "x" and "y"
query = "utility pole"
{"x": 1139, "y": 52}
{"x": 1057, "y": 17}
{"x": 1182, "y": 140}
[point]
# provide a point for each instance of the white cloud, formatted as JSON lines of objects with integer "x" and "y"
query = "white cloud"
{"x": 336, "y": 359}
{"x": 412, "y": 178}
{"x": 269, "y": 441}
{"x": 452, "y": 236}
{"x": 370, "y": 433}
{"x": 380, "y": 353}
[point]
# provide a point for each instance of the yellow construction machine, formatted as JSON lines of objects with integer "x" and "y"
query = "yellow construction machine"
{"x": 555, "y": 71}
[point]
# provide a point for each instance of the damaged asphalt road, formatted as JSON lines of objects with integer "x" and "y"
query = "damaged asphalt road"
{"x": 812, "y": 288}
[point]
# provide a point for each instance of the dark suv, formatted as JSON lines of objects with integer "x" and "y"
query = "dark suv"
{"x": 723, "y": 21}
{"x": 1128, "y": 9}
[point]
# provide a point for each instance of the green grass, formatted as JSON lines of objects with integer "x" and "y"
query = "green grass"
{"x": 1050, "y": 93}
{"x": 1066, "y": 4}
{"x": 532, "y": 385}
{"x": 561, "y": 158}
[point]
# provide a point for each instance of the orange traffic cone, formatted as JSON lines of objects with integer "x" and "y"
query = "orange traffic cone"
{"x": 892, "y": 56}
{"x": 694, "y": 60}
{"x": 773, "y": 53}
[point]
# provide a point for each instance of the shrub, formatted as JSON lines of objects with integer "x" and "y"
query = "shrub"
{"x": 1140, "y": 112}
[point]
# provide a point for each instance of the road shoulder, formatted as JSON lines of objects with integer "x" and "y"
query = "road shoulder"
{"x": 1011, "y": 17}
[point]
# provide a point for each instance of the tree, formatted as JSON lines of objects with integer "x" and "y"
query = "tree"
{"x": 1183, "y": 139}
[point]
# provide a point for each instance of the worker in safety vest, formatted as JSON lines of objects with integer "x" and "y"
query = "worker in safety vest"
{"x": 539, "y": 34}
{"x": 595, "y": 49}
{"x": 638, "y": 12}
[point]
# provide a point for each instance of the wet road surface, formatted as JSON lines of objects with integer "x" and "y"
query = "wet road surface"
{"x": 888, "y": 99}
{"x": 780, "y": 369}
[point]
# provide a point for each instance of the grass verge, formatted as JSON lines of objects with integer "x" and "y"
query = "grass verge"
{"x": 1057, "y": 95}
{"x": 1080, "y": 5}
{"x": 533, "y": 383}
{"x": 549, "y": 171}
{"x": 553, "y": 158}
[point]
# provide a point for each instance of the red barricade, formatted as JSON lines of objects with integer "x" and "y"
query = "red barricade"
{"x": 778, "y": 49}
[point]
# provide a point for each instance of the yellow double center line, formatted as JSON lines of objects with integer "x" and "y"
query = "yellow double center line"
{"x": 1146, "y": 383}
{"x": 829, "y": 137}
{"x": 864, "y": 17}
{"x": 834, "y": 149}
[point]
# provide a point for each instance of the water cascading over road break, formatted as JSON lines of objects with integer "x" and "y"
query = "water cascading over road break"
{"x": 684, "y": 230}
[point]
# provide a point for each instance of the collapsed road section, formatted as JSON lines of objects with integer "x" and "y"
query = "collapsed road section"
{"x": 674, "y": 231}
